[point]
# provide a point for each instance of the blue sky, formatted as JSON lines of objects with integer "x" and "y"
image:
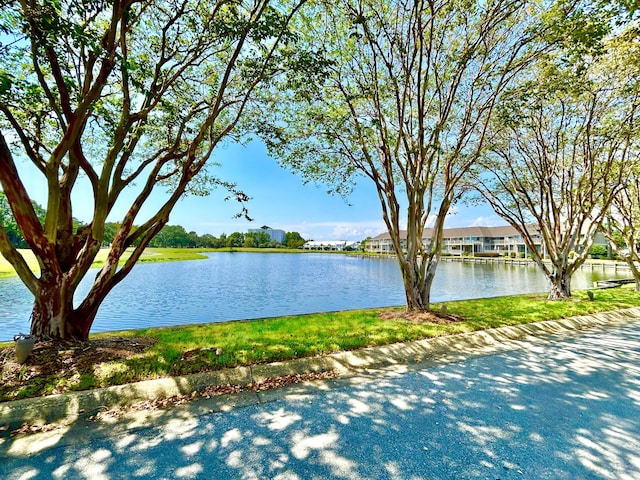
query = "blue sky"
{"x": 278, "y": 198}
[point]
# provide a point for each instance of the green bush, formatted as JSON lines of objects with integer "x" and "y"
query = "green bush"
{"x": 598, "y": 251}
{"x": 488, "y": 254}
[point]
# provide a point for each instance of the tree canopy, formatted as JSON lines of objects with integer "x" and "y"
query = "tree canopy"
{"x": 404, "y": 100}
{"x": 622, "y": 226}
{"x": 121, "y": 96}
{"x": 128, "y": 99}
{"x": 562, "y": 144}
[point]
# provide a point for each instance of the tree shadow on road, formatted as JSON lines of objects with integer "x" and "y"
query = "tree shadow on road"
{"x": 559, "y": 408}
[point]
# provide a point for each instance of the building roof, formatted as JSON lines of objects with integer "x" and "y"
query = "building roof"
{"x": 485, "y": 232}
{"x": 328, "y": 242}
{"x": 265, "y": 228}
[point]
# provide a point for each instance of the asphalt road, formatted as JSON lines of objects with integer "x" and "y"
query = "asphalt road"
{"x": 556, "y": 408}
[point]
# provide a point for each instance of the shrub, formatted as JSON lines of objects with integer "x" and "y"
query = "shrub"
{"x": 598, "y": 251}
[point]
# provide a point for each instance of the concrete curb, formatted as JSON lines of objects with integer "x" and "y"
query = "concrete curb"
{"x": 70, "y": 406}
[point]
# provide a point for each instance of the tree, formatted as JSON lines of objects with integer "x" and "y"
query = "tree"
{"x": 236, "y": 239}
{"x": 363, "y": 244}
{"x": 249, "y": 241}
{"x": 293, "y": 240}
{"x": 193, "y": 239}
{"x": 121, "y": 96}
{"x": 256, "y": 240}
{"x": 263, "y": 239}
{"x": 622, "y": 228}
{"x": 554, "y": 164}
{"x": 222, "y": 241}
{"x": 207, "y": 241}
{"x": 405, "y": 102}
{"x": 110, "y": 230}
{"x": 173, "y": 236}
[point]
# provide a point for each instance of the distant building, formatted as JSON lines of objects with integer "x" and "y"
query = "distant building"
{"x": 330, "y": 245}
{"x": 274, "y": 235}
{"x": 502, "y": 241}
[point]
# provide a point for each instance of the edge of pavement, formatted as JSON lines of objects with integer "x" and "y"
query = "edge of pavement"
{"x": 71, "y": 406}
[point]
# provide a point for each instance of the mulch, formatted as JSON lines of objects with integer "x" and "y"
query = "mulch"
{"x": 439, "y": 317}
{"x": 65, "y": 360}
{"x": 62, "y": 360}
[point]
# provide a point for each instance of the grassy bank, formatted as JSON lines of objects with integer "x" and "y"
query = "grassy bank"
{"x": 156, "y": 352}
{"x": 150, "y": 255}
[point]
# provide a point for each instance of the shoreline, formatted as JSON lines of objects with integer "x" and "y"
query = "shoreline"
{"x": 70, "y": 406}
{"x": 157, "y": 254}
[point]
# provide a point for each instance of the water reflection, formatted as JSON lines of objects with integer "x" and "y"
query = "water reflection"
{"x": 239, "y": 285}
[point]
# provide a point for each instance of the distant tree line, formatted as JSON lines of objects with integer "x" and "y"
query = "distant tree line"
{"x": 176, "y": 236}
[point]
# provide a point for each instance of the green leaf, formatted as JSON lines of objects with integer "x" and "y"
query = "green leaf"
{"x": 6, "y": 81}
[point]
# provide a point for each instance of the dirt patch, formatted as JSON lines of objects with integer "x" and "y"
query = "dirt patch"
{"x": 439, "y": 317}
{"x": 62, "y": 360}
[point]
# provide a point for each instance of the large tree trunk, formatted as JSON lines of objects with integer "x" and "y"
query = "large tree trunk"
{"x": 634, "y": 270}
{"x": 418, "y": 265}
{"x": 53, "y": 318}
{"x": 414, "y": 292}
{"x": 417, "y": 283}
{"x": 53, "y": 315}
{"x": 560, "y": 285}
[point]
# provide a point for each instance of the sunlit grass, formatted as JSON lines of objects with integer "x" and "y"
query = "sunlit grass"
{"x": 182, "y": 350}
{"x": 230, "y": 344}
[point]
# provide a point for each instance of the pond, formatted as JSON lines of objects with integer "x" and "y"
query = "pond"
{"x": 234, "y": 286}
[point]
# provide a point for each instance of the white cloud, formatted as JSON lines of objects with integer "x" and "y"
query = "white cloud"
{"x": 344, "y": 230}
{"x": 473, "y": 216}
{"x": 488, "y": 221}
{"x": 350, "y": 231}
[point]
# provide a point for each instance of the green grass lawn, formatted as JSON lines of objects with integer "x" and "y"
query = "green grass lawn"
{"x": 223, "y": 345}
{"x": 283, "y": 338}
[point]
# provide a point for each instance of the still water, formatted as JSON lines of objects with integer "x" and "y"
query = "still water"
{"x": 233, "y": 286}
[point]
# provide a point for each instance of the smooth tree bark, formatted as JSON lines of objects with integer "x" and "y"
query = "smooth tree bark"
{"x": 558, "y": 153}
{"x": 114, "y": 101}
{"x": 622, "y": 227}
{"x": 405, "y": 103}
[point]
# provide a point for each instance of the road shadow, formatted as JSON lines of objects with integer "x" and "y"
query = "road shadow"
{"x": 559, "y": 408}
